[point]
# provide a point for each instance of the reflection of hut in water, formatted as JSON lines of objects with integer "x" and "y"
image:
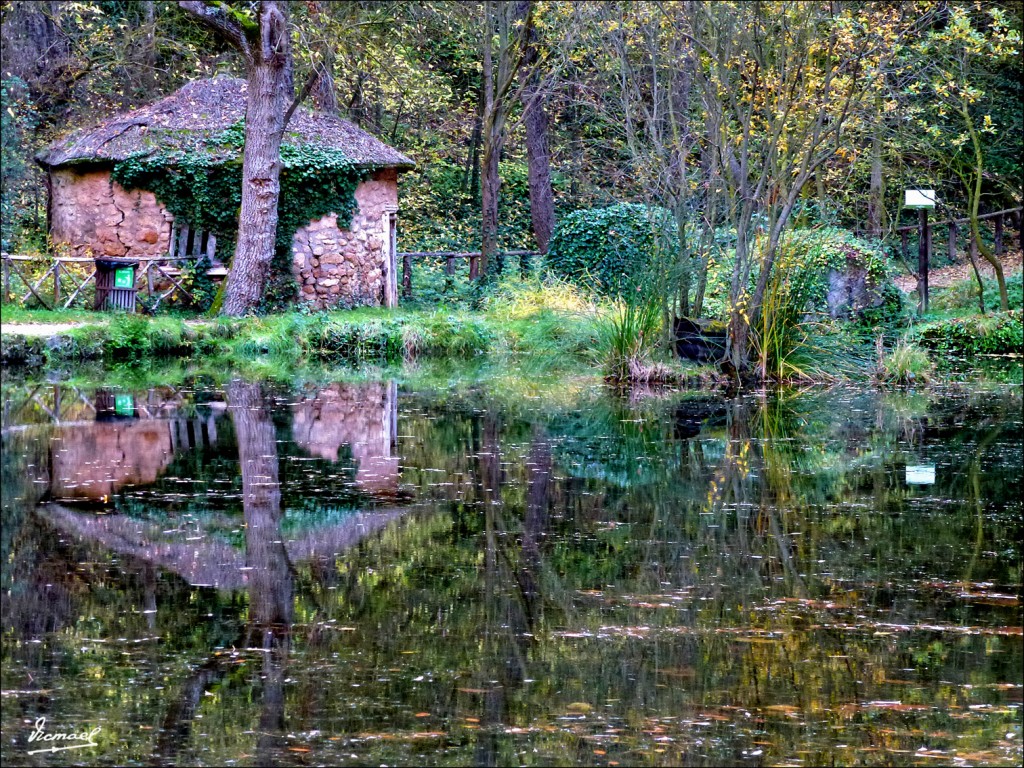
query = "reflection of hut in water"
{"x": 361, "y": 416}
{"x": 90, "y": 461}
{"x": 210, "y": 562}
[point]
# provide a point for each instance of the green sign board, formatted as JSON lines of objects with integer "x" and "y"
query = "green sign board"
{"x": 124, "y": 277}
{"x": 124, "y": 405}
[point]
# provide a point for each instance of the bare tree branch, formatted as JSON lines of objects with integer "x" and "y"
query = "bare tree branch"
{"x": 214, "y": 16}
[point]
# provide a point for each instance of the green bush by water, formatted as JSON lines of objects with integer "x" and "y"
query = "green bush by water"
{"x": 963, "y": 294}
{"x": 1000, "y": 333}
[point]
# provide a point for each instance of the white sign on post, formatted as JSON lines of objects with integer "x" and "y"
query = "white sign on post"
{"x": 919, "y": 198}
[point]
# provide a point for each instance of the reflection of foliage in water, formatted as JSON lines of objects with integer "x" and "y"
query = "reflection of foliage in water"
{"x": 786, "y": 612}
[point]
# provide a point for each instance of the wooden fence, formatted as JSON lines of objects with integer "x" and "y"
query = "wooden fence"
{"x": 449, "y": 258}
{"x": 925, "y": 228}
{"x": 954, "y": 225}
{"x": 64, "y": 278}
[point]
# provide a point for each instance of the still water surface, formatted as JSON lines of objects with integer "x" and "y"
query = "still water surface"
{"x": 365, "y": 572}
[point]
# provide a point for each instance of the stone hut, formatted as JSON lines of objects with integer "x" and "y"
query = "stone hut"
{"x": 94, "y": 216}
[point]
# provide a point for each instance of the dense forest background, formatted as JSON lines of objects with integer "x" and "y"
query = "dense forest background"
{"x": 411, "y": 74}
{"x": 742, "y": 121}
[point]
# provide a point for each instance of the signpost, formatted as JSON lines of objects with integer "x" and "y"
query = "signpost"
{"x": 923, "y": 200}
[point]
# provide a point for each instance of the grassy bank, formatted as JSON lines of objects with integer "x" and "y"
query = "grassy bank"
{"x": 542, "y": 330}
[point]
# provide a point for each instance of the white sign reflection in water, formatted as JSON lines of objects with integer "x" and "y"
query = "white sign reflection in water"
{"x": 921, "y": 474}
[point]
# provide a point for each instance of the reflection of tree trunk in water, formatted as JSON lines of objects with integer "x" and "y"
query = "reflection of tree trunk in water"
{"x": 177, "y": 723}
{"x": 974, "y": 476}
{"x": 271, "y": 583}
{"x": 271, "y": 742}
{"x": 507, "y": 619}
{"x": 784, "y": 553}
{"x": 535, "y": 522}
{"x": 489, "y": 488}
{"x": 270, "y": 577}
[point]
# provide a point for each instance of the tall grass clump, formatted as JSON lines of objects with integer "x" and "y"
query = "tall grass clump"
{"x": 549, "y": 319}
{"x": 518, "y": 299}
{"x": 628, "y": 337}
{"x": 905, "y": 363}
{"x": 793, "y": 342}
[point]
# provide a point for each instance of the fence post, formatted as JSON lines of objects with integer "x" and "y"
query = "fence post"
{"x": 56, "y": 283}
{"x": 7, "y": 279}
{"x": 998, "y": 227}
{"x": 449, "y": 266}
{"x": 406, "y": 276}
{"x": 474, "y": 267}
{"x": 952, "y": 241}
{"x": 924, "y": 235}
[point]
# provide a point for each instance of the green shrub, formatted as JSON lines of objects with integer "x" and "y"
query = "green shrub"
{"x": 809, "y": 256}
{"x": 610, "y": 249}
{"x": 1001, "y": 333}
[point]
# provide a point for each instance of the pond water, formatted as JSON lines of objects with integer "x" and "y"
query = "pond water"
{"x": 510, "y": 572}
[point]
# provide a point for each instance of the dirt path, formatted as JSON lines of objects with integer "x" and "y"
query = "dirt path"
{"x": 946, "y": 276}
{"x": 38, "y": 329}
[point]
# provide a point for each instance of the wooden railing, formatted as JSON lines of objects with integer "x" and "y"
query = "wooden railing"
{"x": 449, "y": 258}
{"x": 997, "y": 218}
{"x": 159, "y": 276}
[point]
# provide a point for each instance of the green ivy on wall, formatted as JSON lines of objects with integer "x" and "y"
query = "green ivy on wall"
{"x": 202, "y": 185}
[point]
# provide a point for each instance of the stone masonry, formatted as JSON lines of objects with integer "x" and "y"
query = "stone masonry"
{"x": 95, "y": 216}
{"x": 346, "y": 268}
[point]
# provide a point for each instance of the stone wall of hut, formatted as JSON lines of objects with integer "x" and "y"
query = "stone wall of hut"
{"x": 348, "y": 267}
{"x": 94, "y": 216}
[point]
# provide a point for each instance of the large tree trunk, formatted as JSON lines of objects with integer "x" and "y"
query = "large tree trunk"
{"x": 267, "y": 52}
{"x": 471, "y": 176}
{"x": 270, "y": 92}
{"x": 974, "y": 197}
{"x": 538, "y": 156}
{"x": 36, "y": 51}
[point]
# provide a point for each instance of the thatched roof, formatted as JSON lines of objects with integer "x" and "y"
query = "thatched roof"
{"x": 201, "y": 110}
